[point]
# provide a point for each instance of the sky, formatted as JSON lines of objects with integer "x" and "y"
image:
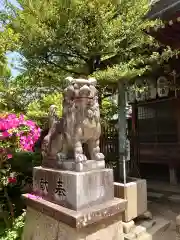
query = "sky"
{"x": 13, "y": 57}
{"x": 14, "y": 2}
{"x": 13, "y": 62}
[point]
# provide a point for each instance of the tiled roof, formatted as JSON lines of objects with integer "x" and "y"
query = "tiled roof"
{"x": 163, "y": 9}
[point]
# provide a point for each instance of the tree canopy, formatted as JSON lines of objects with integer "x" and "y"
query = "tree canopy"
{"x": 103, "y": 38}
{"x": 8, "y": 40}
{"x": 39, "y": 108}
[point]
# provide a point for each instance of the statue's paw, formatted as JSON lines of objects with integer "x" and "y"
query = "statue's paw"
{"x": 80, "y": 158}
{"x": 85, "y": 158}
{"x": 99, "y": 157}
{"x": 61, "y": 157}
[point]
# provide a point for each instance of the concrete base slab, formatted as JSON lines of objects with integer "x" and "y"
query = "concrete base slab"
{"x": 145, "y": 236}
{"x": 74, "y": 190}
{"x": 135, "y": 192}
{"x": 139, "y": 231}
{"x": 159, "y": 228}
{"x": 148, "y": 231}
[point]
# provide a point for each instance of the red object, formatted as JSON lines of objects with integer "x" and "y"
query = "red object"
{"x": 9, "y": 156}
{"x": 11, "y": 180}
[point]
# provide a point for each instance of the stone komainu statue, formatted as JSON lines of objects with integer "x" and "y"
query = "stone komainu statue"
{"x": 80, "y": 123}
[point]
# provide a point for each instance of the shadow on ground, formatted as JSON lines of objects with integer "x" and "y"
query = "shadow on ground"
{"x": 169, "y": 211}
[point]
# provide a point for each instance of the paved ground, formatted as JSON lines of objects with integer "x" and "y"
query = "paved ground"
{"x": 165, "y": 201}
{"x": 169, "y": 211}
{"x": 163, "y": 187}
{"x": 164, "y": 191}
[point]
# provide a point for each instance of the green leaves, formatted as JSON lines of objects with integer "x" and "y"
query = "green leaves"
{"x": 105, "y": 39}
{"x": 10, "y": 97}
{"x": 15, "y": 233}
{"x": 80, "y": 37}
{"x": 108, "y": 110}
{"x": 39, "y": 109}
{"x": 9, "y": 42}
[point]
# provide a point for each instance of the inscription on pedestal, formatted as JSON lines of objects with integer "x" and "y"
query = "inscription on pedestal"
{"x": 72, "y": 189}
{"x": 60, "y": 192}
{"x": 41, "y": 186}
{"x": 44, "y": 185}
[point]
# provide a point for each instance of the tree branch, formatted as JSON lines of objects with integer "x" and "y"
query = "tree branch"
{"x": 64, "y": 69}
{"x": 69, "y": 55}
{"x": 79, "y": 54}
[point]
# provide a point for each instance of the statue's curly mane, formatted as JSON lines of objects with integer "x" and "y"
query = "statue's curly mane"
{"x": 75, "y": 113}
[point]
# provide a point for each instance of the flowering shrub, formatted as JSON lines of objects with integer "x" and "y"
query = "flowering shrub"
{"x": 15, "y": 232}
{"x": 17, "y": 134}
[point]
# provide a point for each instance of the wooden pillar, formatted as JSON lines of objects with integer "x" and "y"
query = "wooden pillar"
{"x": 122, "y": 130}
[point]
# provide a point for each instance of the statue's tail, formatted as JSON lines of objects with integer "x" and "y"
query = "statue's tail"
{"x": 53, "y": 117}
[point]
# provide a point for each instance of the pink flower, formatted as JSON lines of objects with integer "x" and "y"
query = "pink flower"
{"x": 5, "y": 134}
{"x": 11, "y": 125}
{"x": 9, "y": 156}
{"x": 32, "y": 196}
{"x": 12, "y": 116}
{"x": 21, "y": 117}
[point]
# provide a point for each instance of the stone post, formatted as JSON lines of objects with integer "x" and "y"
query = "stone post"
{"x": 122, "y": 131}
{"x": 73, "y": 199}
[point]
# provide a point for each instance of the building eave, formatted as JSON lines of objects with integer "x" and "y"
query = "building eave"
{"x": 164, "y": 9}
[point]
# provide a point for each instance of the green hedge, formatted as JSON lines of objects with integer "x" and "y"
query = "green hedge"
{"x": 23, "y": 162}
{"x": 15, "y": 232}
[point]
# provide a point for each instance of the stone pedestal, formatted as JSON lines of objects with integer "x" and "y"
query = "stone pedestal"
{"x": 68, "y": 205}
{"x": 74, "y": 190}
{"x": 39, "y": 226}
{"x": 45, "y": 220}
{"x": 135, "y": 192}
